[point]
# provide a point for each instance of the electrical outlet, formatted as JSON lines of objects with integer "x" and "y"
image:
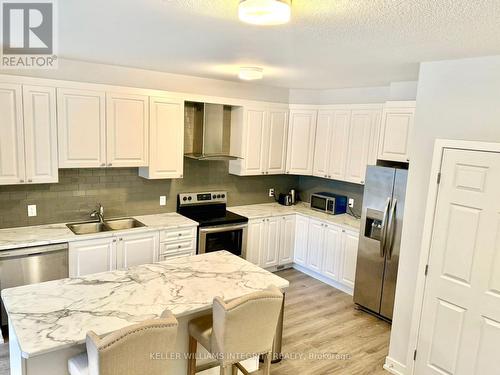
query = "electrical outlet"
{"x": 32, "y": 210}
{"x": 351, "y": 202}
{"x": 271, "y": 192}
{"x": 163, "y": 200}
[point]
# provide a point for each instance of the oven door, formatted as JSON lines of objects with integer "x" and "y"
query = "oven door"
{"x": 232, "y": 238}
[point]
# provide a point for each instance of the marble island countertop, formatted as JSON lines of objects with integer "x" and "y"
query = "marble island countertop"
{"x": 12, "y": 238}
{"x": 57, "y": 314}
{"x": 257, "y": 211}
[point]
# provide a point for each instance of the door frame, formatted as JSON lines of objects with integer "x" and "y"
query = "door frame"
{"x": 440, "y": 146}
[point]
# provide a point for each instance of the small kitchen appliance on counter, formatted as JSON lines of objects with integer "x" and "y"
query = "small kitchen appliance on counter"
{"x": 329, "y": 203}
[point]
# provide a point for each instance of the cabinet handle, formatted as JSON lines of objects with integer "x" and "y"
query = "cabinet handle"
{"x": 114, "y": 240}
{"x": 179, "y": 246}
{"x": 180, "y": 234}
{"x": 21, "y": 181}
{"x": 343, "y": 230}
{"x": 30, "y": 180}
{"x": 110, "y": 164}
{"x": 121, "y": 239}
{"x": 103, "y": 164}
{"x": 407, "y": 159}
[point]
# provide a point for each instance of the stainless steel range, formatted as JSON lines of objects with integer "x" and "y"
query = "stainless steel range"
{"x": 218, "y": 228}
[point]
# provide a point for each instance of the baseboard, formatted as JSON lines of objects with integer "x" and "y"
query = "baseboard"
{"x": 394, "y": 367}
{"x": 324, "y": 279}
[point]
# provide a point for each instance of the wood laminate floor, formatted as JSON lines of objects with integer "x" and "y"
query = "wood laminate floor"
{"x": 323, "y": 333}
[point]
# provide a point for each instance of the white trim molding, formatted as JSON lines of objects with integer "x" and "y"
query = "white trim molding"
{"x": 394, "y": 367}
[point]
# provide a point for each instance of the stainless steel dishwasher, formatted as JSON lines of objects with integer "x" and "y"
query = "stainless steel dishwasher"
{"x": 30, "y": 265}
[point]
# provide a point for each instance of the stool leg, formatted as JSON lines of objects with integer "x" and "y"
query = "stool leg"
{"x": 224, "y": 370}
{"x": 266, "y": 367}
{"x": 192, "y": 356}
{"x": 235, "y": 370}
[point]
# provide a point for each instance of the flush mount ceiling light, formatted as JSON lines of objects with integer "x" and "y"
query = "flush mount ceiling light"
{"x": 250, "y": 73}
{"x": 265, "y": 12}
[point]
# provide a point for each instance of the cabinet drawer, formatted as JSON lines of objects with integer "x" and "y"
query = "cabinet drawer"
{"x": 169, "y": 235}
{"x": 176, "y": 254}
{"x": 168, "y": 247}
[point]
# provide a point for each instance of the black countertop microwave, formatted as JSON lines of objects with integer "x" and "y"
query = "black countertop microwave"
{"x": 329, "y": 203}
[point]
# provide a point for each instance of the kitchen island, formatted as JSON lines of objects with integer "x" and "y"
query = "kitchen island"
{"x": 48, "y": 321}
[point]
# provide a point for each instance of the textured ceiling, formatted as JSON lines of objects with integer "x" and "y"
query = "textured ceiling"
{"x": 328, "y": 44}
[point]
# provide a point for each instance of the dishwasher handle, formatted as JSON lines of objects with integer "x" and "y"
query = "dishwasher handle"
{"x": 34, "y": 250}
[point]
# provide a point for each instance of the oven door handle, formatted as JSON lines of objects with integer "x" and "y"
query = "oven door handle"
{"x": 223, "y": 228}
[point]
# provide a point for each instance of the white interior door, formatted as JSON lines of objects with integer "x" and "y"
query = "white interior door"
{"x": 166, "y": 144}
{"x": 277, "y": 138}
{"x": 127, "y": 130}
{"x": 460, "y": 323}
{"x": 81, "y": 124}
{"x": 40, "y": 134}
{"x": 12, "y": 165}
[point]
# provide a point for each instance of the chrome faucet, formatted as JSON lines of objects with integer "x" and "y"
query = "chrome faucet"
{"x": 99, "y": 213}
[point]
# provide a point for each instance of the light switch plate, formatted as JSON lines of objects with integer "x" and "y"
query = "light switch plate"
{"x": 32, "y": 210}
{"x": 271, "y": 192}
{"x": 163, "y": 200}
{"x": 351, "y": 202}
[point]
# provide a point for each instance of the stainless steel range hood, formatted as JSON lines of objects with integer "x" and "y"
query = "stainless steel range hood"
{"x": 207, "y": 131}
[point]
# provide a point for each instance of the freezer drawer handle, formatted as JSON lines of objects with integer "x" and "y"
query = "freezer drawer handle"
{"x": 383, "y": 238}
{"x": 390, "y": 229}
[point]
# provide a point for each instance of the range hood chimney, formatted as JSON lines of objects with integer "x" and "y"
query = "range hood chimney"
{"x": 207, "y": 131}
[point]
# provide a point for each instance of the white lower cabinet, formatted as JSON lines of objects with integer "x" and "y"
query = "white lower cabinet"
{"x": 177, "y": 242}
{"x": 92, "y": 256}
{"x": 271, "y": 241}
{"x": 315, "y": 245}
{"x": 332, "y": 242}
{"x": 111, "y": 253}
{"x": 349, "y": 256}
{"x": 301, "y": 238}
{"x": 137, "y": 249}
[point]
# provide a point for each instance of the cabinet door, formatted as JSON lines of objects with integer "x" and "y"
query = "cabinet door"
{"x": 12, "y": 164}
{"x": 276, "y": 138}
{"x": 397, "y": 125}
{"x": 87, "y": 257}
{"x": 287, "y": 239}
{"x": 349, "y": 258}
{"x": 40, "y": 134}
{"x": 315, "y": 245}
{"x": 81, "y": 124}
{"x": 127, "y": 130}
{"x": 256, "y": 241}
{"x": 331, "y": 247}
{"x": 270, "y": 256}
{"x": 322, "y": 149}
{"x": 359, "y": 146}
{"x": 166, "y": 139}
{"x": 339, "y": 144}
{"x": 301, "y": 138}
{"x": 301, "y": 239}
{"x": 137, "y": 249}
{"x": 254, "y": 141}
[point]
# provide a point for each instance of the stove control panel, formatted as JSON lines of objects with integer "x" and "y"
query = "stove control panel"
{"x": 203, "y": 198}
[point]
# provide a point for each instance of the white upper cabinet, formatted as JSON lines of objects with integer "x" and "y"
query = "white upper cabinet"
{"x": 363, "y": 126}
{"x": 259, "y": 137}
{"x": 301, "y": 139}
{"x": 127, "y": 125}
{"x": 276, "y": 140}
{"x": 166, "y": 139}
{"x": 28, "y": 141}
{"x": 12, "y": 165}
{"x": 322, "y": 144}
{"x": 81, "y": 118}
{"x": 338, "y": 145}
{"x": 40, "y": 134}
{"x": 397, "y": 124}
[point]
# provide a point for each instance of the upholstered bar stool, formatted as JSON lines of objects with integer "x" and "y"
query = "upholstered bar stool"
{"x": 238, "y": 330}
{"x": 128, "y": 351}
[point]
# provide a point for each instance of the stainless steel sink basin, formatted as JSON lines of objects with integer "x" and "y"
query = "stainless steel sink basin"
{"x": 92, "y": 227}
{"x": 125, "y": 223}
{"x": 87, "y": 227}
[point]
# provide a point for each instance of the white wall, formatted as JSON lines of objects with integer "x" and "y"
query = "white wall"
{"x": 406, "y": 90}
{"x": 123, "y": 76}
{"x": 457, "y": 99}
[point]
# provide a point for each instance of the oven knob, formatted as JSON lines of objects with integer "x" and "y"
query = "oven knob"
{"x": 190, "y": 198}
{"x": 223, "y": 195}
{"x": 218, "y": 195}
{"x": 184, "y": 199}
{"x": 214, "y": 196}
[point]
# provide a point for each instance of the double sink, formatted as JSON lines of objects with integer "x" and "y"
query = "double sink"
{"x": 92, "y": 227}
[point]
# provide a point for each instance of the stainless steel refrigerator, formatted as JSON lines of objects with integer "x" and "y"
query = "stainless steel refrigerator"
{"x": 380, "y": 240}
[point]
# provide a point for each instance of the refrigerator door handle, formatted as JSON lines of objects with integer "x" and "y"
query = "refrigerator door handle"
{"x": 383, "y": 237}
{"x": 390, "y": 229}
